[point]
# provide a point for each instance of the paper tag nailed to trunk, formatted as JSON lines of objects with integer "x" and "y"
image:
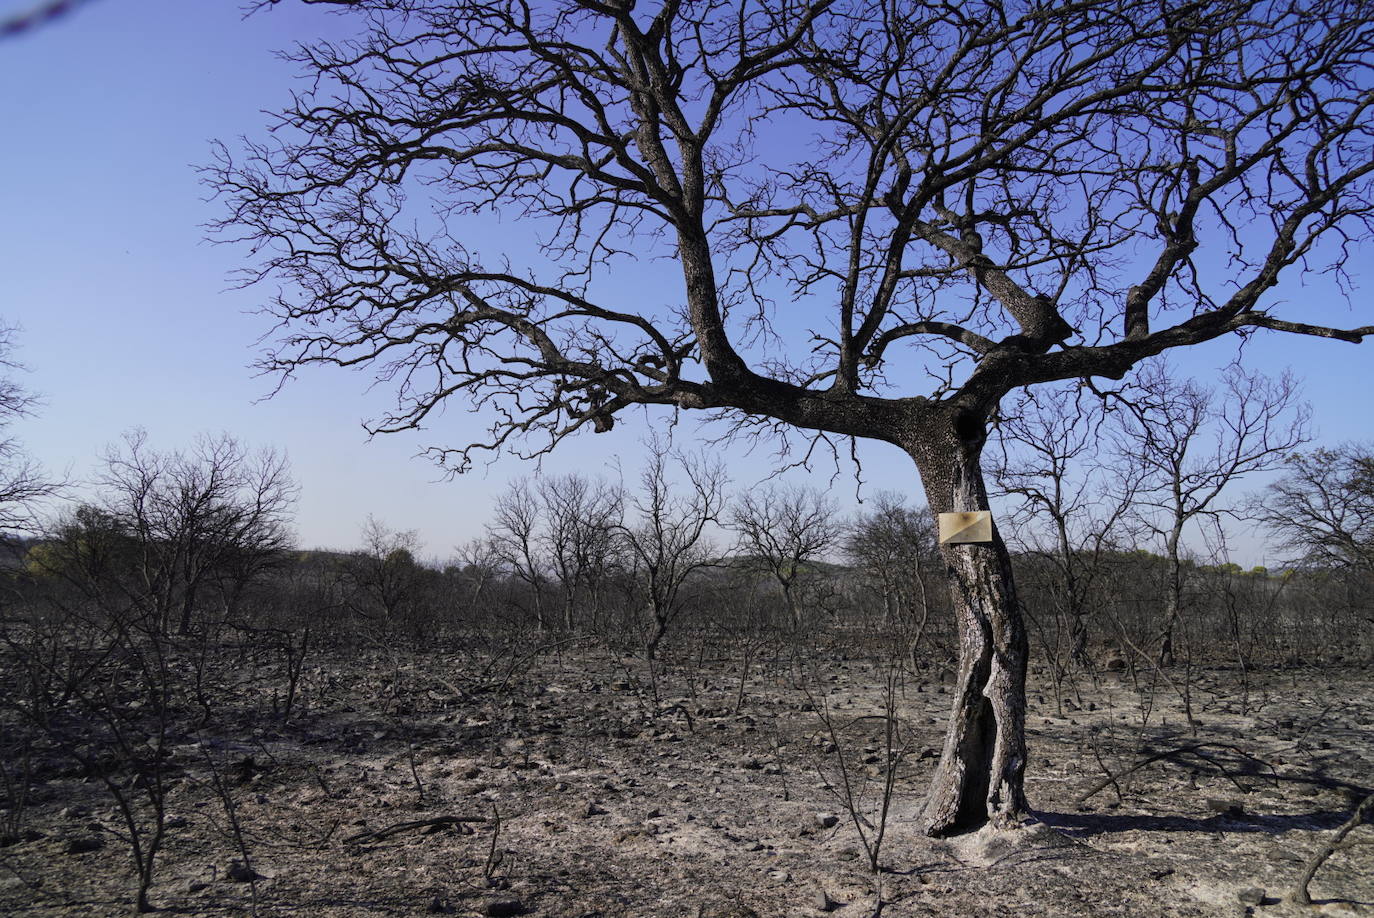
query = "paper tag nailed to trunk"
{"x": 957, "y": 528}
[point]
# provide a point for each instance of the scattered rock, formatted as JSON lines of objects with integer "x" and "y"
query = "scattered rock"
{"x": 239, "y": 872}
{"x": 593, "y": 809}
{"x": 195, "y": 886}
{"x": 1251, "y": 895}
{"x": 503, "y": 908}
{"x": 822, "y": 901}
{"x": 438, "y": 906}
{"x": 827, "y": 820}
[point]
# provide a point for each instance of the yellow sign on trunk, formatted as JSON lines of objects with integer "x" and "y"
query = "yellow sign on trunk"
{"x": 957, "y": 528}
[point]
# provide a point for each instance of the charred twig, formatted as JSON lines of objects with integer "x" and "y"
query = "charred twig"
{"x": 493, "y": 856}
{"x": 1111, "y": 779}
{"x": 520, "y": 662}
{"x": 1364, "y": 813}
{"x": 1194, "y": 749}
{"x": 398, "y": 828}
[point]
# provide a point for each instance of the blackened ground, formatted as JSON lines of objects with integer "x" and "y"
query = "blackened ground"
{"x": 586, "y": 797}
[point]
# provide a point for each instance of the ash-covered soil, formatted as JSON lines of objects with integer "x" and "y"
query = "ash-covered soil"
{"x": 556, "y": 785}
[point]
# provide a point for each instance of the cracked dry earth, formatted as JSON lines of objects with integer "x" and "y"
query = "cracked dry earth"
{"x": 706, "y": 805}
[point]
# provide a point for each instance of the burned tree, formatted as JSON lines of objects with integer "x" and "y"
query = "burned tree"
{"x": 1322, "y": 509}
{"x": 180, "y": 526}
{"x": 1190, "y": 443}
{"x": 383, "y": 576}
{"x": 665, "y": 540}
{"x": 895, "y": 547}
{"x": 581, "y": 517}
{"x": 23, "y": 485}
{"x": 882, "y": 219}
{"x": 783, "y": 531}
{"x": 1070, "y": 502}
{"x": 514, "y": 537}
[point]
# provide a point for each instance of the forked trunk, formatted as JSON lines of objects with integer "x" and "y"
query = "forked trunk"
{"x": 980, "y": 778}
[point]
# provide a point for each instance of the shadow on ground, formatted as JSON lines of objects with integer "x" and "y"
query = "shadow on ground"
{"x": 1084, "y": 825}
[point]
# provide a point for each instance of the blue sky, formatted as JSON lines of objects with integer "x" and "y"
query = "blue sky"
{"x": 128, "y": 318}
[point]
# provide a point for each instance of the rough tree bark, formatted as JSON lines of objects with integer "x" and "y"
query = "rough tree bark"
{"x": 980, "y": 777}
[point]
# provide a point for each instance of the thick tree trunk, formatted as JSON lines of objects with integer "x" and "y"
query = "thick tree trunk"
{"x": 980, "y": 778}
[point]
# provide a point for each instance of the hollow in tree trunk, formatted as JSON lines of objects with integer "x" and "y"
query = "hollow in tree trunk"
{"x": 980, "y": 778}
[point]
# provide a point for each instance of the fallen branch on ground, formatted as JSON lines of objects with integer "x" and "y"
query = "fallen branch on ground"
{"x": 398, "y": 828}
{"x": 1364, "y": 813}
{"x": 1193, "y": 749}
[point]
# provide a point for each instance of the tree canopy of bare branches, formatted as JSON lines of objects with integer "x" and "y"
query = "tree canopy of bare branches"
{"x": 783, "y": 531}
{"x": 174, "y": 525}
{"x": 666, "y": 539}
{"x": 1070, "y": 498}
{"x": 1323, "y": 508}
{"x": 383, "y": 575}
{"x": 893, "y": 544}
{"x": 883, "y": 217}
{"x": 23, "y": 485}
{"x": 1190, "y": 443}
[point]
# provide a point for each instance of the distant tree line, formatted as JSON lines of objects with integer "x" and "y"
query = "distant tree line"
{"x": 200, "y": 539}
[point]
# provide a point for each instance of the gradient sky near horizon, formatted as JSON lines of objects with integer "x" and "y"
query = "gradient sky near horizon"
{"x": 127, "y": 316}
